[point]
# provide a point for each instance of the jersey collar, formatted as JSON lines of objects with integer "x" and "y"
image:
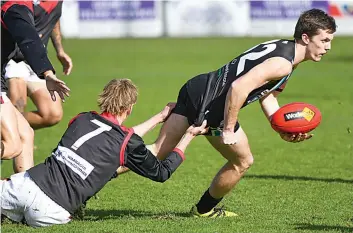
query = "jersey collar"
{"x": 110, "y": 117}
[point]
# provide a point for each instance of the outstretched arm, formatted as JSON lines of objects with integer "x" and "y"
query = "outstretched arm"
{"x": 144, "y": 163}
{"x": 271, "y": 69}
{"x": 148, "y": 125}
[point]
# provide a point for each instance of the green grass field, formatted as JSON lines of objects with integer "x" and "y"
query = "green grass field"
{"x": 304, "y": 187}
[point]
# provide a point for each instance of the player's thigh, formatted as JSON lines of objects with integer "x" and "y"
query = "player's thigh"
{"x": 10, "y": 129}
{"x": 170, "y": 134}
{"x": 238, "y": 153}
{"x": 40, "y": 96}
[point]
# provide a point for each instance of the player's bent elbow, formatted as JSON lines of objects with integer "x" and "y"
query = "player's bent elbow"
{"x": 162, "y": 177}
{"x": 240, "y": 88}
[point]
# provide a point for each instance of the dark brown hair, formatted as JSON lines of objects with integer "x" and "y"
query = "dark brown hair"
{"x": 311, "y": 21}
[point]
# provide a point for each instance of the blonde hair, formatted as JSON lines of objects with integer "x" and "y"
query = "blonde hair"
{"x": 118, "y": 96}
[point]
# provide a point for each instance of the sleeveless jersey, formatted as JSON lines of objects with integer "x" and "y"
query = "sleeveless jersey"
{"x": 208, "y": 91}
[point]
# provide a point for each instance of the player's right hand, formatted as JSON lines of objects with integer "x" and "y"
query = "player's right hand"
{"x": 56, "y": 85}
{"x": 196, "y": 130}
{"x": 295, "y": 137}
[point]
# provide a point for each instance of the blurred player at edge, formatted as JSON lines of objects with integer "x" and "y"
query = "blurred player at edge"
{"x": 21, "y": 79}
{"x": 260, "y": 73}
{"x": 87, "y": 157}
{"x": 17, "y": 27}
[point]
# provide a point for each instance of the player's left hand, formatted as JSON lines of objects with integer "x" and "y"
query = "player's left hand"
{"x": 56, "y": 85}
{"x": 228, "y": 137}
{"x": 167, "y": 111}
{"x": 66, "y": 62}
{"x": 295, "y": 137}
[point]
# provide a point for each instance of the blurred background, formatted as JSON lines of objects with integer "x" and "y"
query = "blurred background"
{"x": 202, "y": 18}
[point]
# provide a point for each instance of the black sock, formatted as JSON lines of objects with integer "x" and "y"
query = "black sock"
{"x": 207, "y": 203}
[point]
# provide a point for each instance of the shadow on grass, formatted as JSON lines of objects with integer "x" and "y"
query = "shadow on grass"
{"x": 301, "y": 178}
{"x": 323, "y": 228}
{"x": 97, "y": 215}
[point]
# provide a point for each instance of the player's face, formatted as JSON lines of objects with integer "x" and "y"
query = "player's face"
{"x": 319, "y": 45}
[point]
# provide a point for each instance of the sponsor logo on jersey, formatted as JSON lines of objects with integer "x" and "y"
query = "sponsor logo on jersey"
{"x": 75, "y": 162}
{"x": 226, "y": 71}
{"x": 307, "y": 114}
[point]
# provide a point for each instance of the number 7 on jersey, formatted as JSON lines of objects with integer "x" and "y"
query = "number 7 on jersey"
{"x": 102, "y": 128}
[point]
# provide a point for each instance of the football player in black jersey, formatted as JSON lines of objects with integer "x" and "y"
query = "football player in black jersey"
{"x": 259, "y": 73}
{"x": 23, "y": 82}
{"x": 87, "y": 157}
{"x": 17, "y": 27}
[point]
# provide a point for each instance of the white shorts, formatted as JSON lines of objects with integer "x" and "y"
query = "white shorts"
{"x": 21, "y": 199}
{"x": 21, "y": 70}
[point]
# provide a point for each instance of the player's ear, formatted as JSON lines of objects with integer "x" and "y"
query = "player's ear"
{"x": 129, "y": 111}
{"x": 305, "y": 38}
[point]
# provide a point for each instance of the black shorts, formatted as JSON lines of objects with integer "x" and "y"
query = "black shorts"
{"x": 185, "y": 107}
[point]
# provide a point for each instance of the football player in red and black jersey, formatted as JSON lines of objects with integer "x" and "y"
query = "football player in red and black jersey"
{"x": 87, "y": 157}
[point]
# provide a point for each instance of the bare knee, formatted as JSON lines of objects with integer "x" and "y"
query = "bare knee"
{"x": 244, "y": 163}
{"x": 52, "y": 117}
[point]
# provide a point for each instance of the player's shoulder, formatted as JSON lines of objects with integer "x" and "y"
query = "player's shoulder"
{"x": 279, "y": 44}
{"x": 283, "y": 48}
